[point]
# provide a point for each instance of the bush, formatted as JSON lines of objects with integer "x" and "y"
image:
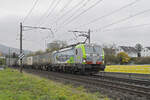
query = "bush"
{"x": 142, "y": 60}
{"x": 111, "y": 59}
{"x": 2, "y": 61}
{"x": 123, "y": 58}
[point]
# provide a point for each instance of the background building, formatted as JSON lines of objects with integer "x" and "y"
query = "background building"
{"x": 145, "y": 52}
{"x": 131, "y": 51}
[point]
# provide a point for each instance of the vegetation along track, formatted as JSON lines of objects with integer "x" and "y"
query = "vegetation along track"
{"x": 113, "y": 89}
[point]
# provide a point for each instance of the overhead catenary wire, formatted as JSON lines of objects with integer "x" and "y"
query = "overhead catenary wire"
{"x": 122, "y": 20}
{"x": 51, "y": 3}
{"x": 66, "y": 5}
{"x": 35, "y": 3}
{"x": 84, "y": 11}
{"x": 92, "y": 6}
{"x": 55, "y": 6}
{"x": 57, "y": 3}
{"x": 127, "y": 27}
{"x": 66, "y": 13}
{"x": 111, "y": 13}
{"x": 63, "y": 8}
{"x": 77, "y": 10}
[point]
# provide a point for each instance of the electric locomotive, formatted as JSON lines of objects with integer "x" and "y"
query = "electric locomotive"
{"x": 80, "y": 58}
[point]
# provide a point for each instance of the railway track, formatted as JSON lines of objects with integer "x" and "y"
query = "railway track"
{"x": 145, "y": 83}
{"x": 120, "y": 90}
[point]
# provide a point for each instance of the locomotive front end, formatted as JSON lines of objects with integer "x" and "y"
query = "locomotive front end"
{"x": 91, "y": 57}
{"x": 94, "y": 55}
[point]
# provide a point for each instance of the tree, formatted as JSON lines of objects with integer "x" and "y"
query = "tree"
{"x": 142, "y": 60}
{"x": 123, "y": 57}
{"x": 138, "y": 47}
{"x": 1, "y": 54}
{"x": 2, "y": 61}
{"x": 109, "y": 49}
{"x": 14, "y": 55}
{"x": 31, "y": 54}
{"x": 48, "y": 50}
{"x": 38, "y": 52}
{"x": 110, "y": 57}
{"x": 56, "y": 45}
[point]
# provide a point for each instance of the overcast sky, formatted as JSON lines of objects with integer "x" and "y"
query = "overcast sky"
{"x": 63, "y": 17}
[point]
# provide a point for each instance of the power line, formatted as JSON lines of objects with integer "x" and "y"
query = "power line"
{"x": 96, "y": 3}
{"x": 57, "y": 3}
{"x": 119, "y": 21}
{"x": 127, "y": 27}
{"x": 35, "y": 3}
{"x": 111, "y": 13}
{"x": 77, "y": 10}
{"x": 92, "y": 6}
{"x": 50, "y": 6}
{"x": 73, "y": 8}
{"x": 65, "y": 6}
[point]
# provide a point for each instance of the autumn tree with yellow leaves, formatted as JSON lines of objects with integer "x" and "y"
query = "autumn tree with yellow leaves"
{"x": 123, "y": 57}
{"x": 1, "y": 54}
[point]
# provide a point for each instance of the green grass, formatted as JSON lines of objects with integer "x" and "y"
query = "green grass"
{"x": 16, "y": 86}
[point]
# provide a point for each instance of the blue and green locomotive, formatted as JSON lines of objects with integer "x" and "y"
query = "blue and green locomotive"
{"x": 81, "y": 58}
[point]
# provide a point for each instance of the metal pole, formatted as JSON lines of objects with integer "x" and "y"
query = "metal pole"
{"x": 89, "y": 35}
{"x": 21, "y": 67}
{"x": 9, "y": 57}
{"x": 45, "y": 44}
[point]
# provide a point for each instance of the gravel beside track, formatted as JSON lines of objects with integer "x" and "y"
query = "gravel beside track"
{"x": 113, "y": 88}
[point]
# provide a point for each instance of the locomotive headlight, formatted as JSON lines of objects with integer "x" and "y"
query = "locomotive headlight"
{"x": 84, "y": 60}
{"x": 103, "y": 61}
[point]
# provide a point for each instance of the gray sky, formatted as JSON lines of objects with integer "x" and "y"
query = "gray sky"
{"x": 14, "y": 11}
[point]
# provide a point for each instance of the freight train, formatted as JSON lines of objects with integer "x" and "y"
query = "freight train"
{"x": 80, "y": 58}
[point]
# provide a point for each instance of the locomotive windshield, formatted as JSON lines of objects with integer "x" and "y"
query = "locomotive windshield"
{"x": 93, "y": 49}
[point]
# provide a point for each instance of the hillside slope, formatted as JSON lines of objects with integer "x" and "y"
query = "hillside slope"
{"x": 5, "y": 50}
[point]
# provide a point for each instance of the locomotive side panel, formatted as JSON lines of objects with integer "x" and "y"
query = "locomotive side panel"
{"x": 79, "y": 54}
{"x": 61, "y": 57}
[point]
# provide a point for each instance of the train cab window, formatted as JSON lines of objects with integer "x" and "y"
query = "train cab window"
{"x": 76, "y": 51}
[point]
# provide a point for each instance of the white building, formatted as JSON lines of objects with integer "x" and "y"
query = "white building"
{"x": 131, "y": 51}
{"x": 145, "y": 52}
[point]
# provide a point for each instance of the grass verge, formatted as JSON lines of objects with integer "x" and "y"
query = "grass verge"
{"x": 16, "y": 86}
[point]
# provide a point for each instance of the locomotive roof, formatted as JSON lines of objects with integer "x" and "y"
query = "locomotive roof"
{"x": 73, "y": 46}
{"x": 91, "y": 44}
{"x": 65, "y": 49}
